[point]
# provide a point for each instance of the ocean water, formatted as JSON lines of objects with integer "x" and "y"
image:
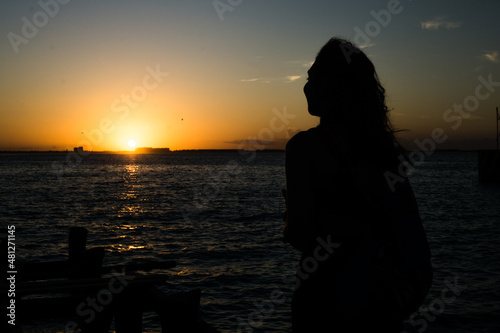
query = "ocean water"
{"x": 219, "y": 216}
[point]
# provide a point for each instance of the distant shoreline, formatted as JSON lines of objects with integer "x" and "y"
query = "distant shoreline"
{"x": 192, "y": 151}
{"x": 135, "y": 153}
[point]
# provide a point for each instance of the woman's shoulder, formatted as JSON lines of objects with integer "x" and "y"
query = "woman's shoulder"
{"x": 303, "y": 140}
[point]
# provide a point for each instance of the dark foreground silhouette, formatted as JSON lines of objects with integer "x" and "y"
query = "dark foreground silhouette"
{"x": 79, "y": 294}
{"x": 351, "y": 211}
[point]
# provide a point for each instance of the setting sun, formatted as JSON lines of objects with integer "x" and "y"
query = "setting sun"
{"x": 131, "y": 144}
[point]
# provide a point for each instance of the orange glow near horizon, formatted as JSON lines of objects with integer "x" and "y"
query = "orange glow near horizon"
{"x": 158, "y": 122}
{"x": 169, "y": 119}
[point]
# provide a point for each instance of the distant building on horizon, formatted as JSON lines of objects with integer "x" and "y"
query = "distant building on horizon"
{"x": 150, "y": 150}
{"x": 78, "y": 149}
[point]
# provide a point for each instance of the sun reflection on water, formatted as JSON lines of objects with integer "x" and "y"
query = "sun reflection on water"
{"x": 125, "y": 248}
{"x": 131, "y": 194}
{"x": 128, "y": 227}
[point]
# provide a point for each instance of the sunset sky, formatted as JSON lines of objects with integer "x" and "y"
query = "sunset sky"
{"x": 197, "y": 74}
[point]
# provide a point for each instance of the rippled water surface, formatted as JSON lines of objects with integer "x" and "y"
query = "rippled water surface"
{"x": 218, "y": 215}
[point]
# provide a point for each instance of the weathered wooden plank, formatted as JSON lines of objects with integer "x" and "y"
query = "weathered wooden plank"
{"x": 63, "y": 269}
{"x": 59, "y": 286}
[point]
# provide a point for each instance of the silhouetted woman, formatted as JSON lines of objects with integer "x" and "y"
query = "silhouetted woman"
{"x": 335, "y": 173}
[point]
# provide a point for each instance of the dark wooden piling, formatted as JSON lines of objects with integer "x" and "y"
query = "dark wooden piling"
{"x": 90, "y": 264}
{"x": 82, "y": 270}
{"x": 84, "y": 263}
{"x": 77, "y": 241}
{"x": 488, "y": 166}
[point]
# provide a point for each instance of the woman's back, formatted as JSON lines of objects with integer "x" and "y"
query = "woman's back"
{"x": 324, "y": 186}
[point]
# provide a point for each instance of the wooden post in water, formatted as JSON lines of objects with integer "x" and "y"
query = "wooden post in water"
{"x": 498, "y": 118}
{"x": 84, "y": 263}
{"x": 77, "y": 242}
{"x": 489, "y": 162}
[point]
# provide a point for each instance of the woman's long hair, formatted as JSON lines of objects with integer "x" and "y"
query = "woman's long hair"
{"x": 355, "y": 100}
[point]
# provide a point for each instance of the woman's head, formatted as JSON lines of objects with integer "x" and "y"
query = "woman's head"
{"x": 343, "y": 89}
{"x": 343, "y": 83}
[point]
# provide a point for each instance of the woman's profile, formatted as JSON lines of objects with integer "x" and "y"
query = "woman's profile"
{"x": 340, "y": 210}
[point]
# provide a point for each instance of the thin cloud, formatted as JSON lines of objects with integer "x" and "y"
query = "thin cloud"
{"x": 278, "y": 143}
{"x": 292, "y": 78}
{"x": 251, "y": 80}
{"x": 367, "y": 46}
{"x": 492, "y": 56}
{"x": 308, "y": 64}
{"x": 440, "y": 22}
{"x": 289, "y": 78}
